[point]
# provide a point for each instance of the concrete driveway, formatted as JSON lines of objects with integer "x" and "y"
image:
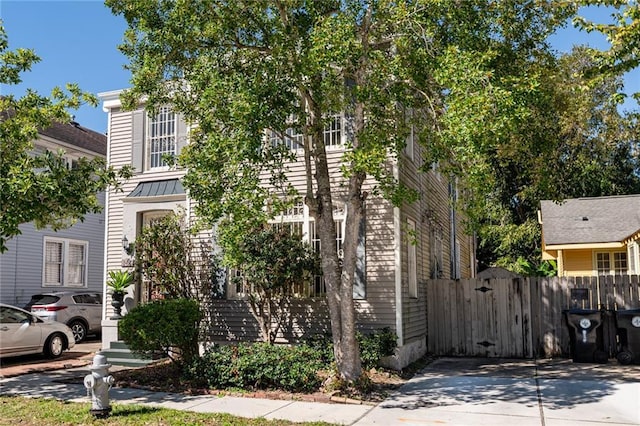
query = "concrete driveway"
{"x": 474, "y": 391}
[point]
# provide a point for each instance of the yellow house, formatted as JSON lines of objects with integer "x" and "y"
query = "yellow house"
{"x": 592, "y": 236}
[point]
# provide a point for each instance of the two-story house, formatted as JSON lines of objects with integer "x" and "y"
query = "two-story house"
{"x": 41, "y": 260}
{"x": 399, "y": 248}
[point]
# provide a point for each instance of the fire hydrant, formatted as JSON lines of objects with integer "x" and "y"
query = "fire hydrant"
{"x": 99, "y": 382}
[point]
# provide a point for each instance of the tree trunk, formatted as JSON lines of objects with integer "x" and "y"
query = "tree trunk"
{"x": 338, "y": 278}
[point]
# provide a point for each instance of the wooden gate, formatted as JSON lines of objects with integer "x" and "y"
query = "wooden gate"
{"x": 521, "y": 317}
{"x": 485, "y": 318}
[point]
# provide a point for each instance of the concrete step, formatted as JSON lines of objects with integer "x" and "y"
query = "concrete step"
{"x": 120, "y": 354}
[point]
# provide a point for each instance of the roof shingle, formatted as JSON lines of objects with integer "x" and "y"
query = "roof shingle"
{"x": 590, "y": 220}
{"x": 76, "y": 135}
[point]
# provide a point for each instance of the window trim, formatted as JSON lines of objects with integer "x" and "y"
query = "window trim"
{"x": 65, "y": 265}
{"x": 298, "y": 214}
{"x": 412, "y": 259}
{"x": 150, "y": 121}
{"x": 611, "y": 261}
{"x": 632, "y": 257}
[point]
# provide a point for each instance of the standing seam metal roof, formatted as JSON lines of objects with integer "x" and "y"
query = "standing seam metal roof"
{"x": 157, "y": 188}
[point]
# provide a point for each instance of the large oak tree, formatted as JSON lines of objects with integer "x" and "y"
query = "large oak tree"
{"x": 238, "y": 68}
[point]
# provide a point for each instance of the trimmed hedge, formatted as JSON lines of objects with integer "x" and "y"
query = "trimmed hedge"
{"x": 163, "y": 327}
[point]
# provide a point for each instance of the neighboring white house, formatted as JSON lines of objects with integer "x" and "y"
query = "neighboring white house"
{"x": 69, "y": 259}
{"x": 390, "y": 289}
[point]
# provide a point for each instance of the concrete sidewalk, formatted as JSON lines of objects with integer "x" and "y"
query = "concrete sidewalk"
{"x": 450, "y": 391}
{"x": 473, "y": 391}
{"x": 67, "y": 385}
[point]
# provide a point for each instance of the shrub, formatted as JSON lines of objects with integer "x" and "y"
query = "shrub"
{"x": 259, "y": 366}
{"x": 168, "y": 327}
{"x": 373, "y": 346}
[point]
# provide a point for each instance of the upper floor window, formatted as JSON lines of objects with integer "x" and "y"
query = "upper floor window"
{"x": 292, "y": 138}
{"x": 161, "y": 137}
{"x": 409, "y": 142}
{"x": 333, "y": 131}
{"x": 65, "y": 263}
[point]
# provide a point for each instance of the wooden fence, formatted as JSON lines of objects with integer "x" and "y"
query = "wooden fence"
{"x": 521, "y": 317}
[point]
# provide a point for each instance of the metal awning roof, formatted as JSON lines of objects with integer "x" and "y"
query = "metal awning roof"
{"x": 157, "y": 188}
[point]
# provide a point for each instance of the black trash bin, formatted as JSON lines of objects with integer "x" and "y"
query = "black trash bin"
{"x": 585, "y": 333}
{"x": 628, "y": 326}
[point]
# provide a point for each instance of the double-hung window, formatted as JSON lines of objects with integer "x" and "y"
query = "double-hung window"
{"x": 161, "y": 137}
{"x": 292, "y": 139}
{"x": 65, "y": 263}
{"x": 333, "y": 131}
{"x": 298, "y": 221}
{"x": 611, "y": 263}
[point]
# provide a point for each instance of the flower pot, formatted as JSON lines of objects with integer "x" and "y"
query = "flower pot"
{"x": 117, "y": 301}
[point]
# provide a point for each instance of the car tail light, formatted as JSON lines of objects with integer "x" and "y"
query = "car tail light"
{"x": 49, "y": 308}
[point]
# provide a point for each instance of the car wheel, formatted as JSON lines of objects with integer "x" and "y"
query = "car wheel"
{"x": 79, "y": 330}
{"x": 54, "y": 346}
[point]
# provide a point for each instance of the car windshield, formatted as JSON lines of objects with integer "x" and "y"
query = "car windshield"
{"x": 43, "y": 299}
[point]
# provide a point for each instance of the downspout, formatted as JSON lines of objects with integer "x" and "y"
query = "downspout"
{"x": 397, "y": 238}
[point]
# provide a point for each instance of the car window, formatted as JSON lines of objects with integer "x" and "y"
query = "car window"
{"x": 13, "y": 316}
{"x": 81, "y": 298}
{"x": 43, "y": 299}
{"x": 91, "y": 299}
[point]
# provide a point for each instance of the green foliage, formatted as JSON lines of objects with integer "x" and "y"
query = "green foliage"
{"x": 177, "y": 262}
{"x": 622, "y": 32}
{"x": 373, "y": 346}
{"x": 40, "y": 187}
{"x": 119, "y": 281}
{"x": 273, "y": 260}
{"x": 167, "y": 327}
{"x": 376, "y": 345}
{"x": 259, "y": 366}
{"x": 575, "y": 144}
{"x": 546, "y": 268}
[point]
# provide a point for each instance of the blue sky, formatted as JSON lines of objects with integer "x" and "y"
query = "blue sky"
{"x": 77, "y": 42}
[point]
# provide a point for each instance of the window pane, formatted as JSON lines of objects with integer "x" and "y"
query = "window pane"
{"x": 411, "y": 259}
{"x": 76, "y": 265}
{"x": 53, "y": 263}
{"x": 603, "y": 263}
{"x": 162, "y": 137}
{"x": 620, "y": 263}
{"x": 333, "y": 131}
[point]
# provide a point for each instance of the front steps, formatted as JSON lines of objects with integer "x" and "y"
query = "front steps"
{"x": 119, "y": 354}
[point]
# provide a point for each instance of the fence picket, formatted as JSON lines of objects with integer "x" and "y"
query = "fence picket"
{"x": 522, "y": 317}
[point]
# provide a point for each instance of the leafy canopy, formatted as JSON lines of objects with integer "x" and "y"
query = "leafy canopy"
{"x": 40, "y": 187}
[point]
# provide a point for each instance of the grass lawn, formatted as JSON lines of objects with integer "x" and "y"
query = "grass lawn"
{"x": 16, "y": 410}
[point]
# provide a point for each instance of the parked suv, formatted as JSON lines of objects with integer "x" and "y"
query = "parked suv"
{"x": 81, "y": 311}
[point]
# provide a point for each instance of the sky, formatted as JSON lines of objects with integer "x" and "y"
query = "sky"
{"x": 77, "y": 43}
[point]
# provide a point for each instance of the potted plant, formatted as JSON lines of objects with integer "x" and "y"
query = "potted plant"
{"x": 118, "y": 283}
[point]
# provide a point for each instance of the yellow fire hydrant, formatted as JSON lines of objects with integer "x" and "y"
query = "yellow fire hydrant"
{"x": 99, "y": 382}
